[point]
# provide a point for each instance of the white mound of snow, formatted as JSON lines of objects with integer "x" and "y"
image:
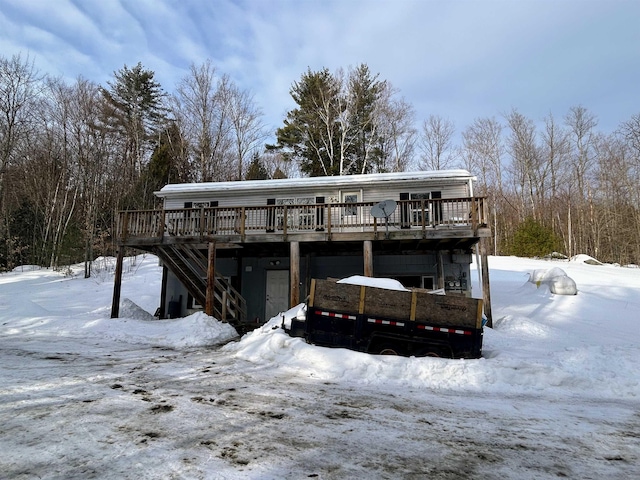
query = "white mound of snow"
{"x": 129, "y": 309}
{"x": 582, "y": 258}
{"x": 563, "y": 285}
{"x": 26, "y": 268}
{"x": 546, "y": 274}
{"x": 198, "y": 329}
{"x": 387, "y": 283}
{"x": 556, "y": 279}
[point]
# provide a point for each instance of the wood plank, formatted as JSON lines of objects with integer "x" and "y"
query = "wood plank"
{"x": 368, "y": 258}
{"x": 437, "y": 310}
{"x": 338, "y": 297}
{"x": 486, "y": 290}
{"x": 387, "y": 303}
{"x": 446, "y": 310}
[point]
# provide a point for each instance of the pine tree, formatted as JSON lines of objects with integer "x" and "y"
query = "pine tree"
{"x": 256, "y": 170}
{"x": 309, "y": 135}
{"x": 133, "y": 110}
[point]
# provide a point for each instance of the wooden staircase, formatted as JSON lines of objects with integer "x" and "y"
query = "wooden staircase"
{"x": 189, "y": 264}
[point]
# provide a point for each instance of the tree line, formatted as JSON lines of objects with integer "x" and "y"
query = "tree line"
{"x": 74, "y": 153}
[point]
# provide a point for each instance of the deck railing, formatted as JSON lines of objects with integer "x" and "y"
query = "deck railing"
{"x": 289, "y": 219}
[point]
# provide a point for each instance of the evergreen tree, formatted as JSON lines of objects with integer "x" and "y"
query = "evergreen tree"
{"x": 279, "y": 174}
{"x": 133, "y": 110}
{"x": 309, "y": 135}
{"x": 343, "y": 127}
{"x": 365, "y": 93}
{"x": 257, "y": 170}
{"x": 532, "y": 239}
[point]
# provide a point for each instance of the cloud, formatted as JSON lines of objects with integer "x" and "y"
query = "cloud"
{"x": 460, "y": 59}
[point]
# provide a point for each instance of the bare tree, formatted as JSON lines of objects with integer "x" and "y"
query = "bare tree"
{"x": 525, "y": 163}
{"x": 247, "y": 129}
{"x": 278, "y": 166}
{"x": 482, "y": 152}
{"x": 484, "y": 149}
{"x": 436, "y": 143}
{"x": 555, "y": 151}
{"x": 92, "y": 150}
{"x": 20, "y": 85}
{"x": 581, "y": 124}
{"x": 397, "y": 134}
{"x": 202, "y": 109}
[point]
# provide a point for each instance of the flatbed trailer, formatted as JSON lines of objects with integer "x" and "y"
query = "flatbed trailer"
{"x": 383, "y": 321}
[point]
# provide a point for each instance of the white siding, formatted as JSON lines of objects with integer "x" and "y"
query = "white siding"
{"x": 370, "y": 191}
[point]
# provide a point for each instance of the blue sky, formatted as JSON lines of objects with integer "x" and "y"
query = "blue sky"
{"x": 457, "y": 59}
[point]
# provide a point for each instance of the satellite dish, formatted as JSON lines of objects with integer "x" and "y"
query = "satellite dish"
{"x": 383, "y": 209}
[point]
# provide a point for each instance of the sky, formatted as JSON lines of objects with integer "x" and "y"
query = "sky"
{"x": 85, "y": 396}
{"x": 458, "y": 59}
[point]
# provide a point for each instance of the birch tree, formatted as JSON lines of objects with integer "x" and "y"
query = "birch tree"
{"x": 436, "y": 143}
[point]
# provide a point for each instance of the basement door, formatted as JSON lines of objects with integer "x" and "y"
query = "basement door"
{"x": 277, "y": 293}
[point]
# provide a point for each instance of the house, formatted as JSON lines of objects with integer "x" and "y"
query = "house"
{"x": 247, "y": 250}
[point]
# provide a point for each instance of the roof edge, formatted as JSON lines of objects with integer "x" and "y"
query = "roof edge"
{"x": 175, "y": 189}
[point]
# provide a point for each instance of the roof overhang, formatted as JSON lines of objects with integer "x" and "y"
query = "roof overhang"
{"x": 348, "y": 181}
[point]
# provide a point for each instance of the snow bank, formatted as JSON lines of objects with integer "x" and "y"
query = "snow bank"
{"x": 195, "y": 330}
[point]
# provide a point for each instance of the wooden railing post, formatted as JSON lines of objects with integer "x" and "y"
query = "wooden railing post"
{"x": 474, "y": 214}
{"x": 243, "y": 220}
{"x": 224, "y": 306}
{"x": 294, "y": 273}
{"x": 285, "y": 220}
{"x": 161, "y": 224}
{"x": 211, "y": 280}
{"x": 202, "y": 221}
{"x": 125, "y": 226}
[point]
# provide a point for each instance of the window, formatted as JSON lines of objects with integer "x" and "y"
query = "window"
{"x": 417, "y": 208}
{"x": 350, "y": 198}
{"x": 300, "y": 213}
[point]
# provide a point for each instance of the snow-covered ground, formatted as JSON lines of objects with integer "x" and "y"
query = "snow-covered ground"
{"x": 557, "y": 393}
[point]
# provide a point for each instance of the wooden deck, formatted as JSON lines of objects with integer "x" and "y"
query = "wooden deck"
{"x": 412, "y": 219}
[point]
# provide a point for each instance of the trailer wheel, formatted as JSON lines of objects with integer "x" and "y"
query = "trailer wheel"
{"x": 388, "y": 351}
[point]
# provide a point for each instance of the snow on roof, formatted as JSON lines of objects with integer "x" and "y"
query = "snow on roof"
{"x": 335, "y": 181}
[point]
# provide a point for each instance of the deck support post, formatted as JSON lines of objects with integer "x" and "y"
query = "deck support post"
{"x": 368, "y": 258}
{"x": 211, "y": 281}
{"x": 486, "y": 291}
{"x": 294, "y": 273}
{"x": 440, "y": 269}
{"x": 117, "y": 284}
{"x": 163, "y": 292}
